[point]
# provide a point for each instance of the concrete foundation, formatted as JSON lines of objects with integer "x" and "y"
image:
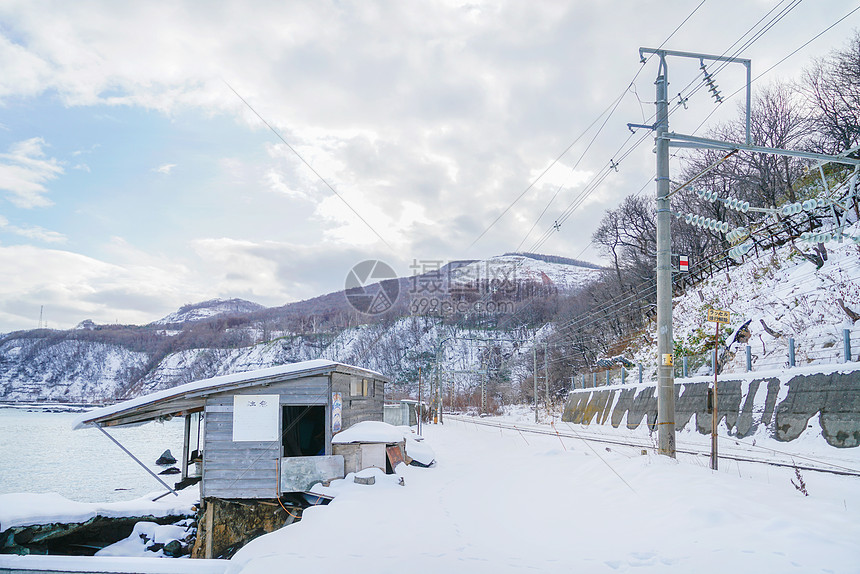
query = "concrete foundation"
{"x": 782, "y": 403}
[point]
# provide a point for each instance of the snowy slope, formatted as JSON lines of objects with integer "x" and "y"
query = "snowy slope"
{"x": 65, "y": 370}
{"x": 790, "y": 296}
{"x": 522, "y": 268}
{"x": 208, "y": 309}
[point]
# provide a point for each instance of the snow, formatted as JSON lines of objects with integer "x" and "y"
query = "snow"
{"x": 26, "y": 509}
{"x": 369, "y": 431}
{"x": 790, "y": 295}
{"x": 112, "y": 564}
{"x": 379, "y": 432}
{"x": 502, "y": 501}
{"x": 143, "y": 535}
{"x": 420, "y": 451}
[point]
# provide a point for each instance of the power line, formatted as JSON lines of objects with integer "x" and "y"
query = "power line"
{"x": 610, "y": 109}
{"x": 309, "y": 166}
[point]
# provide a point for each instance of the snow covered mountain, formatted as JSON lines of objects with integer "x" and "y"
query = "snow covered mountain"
{"x": 208, "y": 309}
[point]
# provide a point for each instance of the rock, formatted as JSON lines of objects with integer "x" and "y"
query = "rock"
{"x": 174, "y": 549}
{"x": 365, "y": 480}
{"x": 171, "y": 470}
{"x": 166, "y": 459}
{"x": 156, "y": 546}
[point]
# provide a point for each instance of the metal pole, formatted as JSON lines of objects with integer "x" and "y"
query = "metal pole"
{"x": 640, "y": 373}
{"x": 483, "y": 386}
{"x": 137, "y": 460}
{"x": 684, "y": 367}
{"x": 846, "y": 344}
{"x": 791, "y": 351}
{"x": 665, "y": 344}
{"x": 749, "y": 358}
{"x": 715, "y": 417}
{"x": 534, "y": 356}
{"x": 546, "y": 373}
{"x": 420, "y": 405}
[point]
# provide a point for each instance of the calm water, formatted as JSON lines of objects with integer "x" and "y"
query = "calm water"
{"x": 39, "y": 452}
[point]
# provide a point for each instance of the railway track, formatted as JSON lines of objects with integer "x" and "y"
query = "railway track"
{"x": 763, "y": 455}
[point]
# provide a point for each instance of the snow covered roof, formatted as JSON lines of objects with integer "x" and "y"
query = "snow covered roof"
{"x": 369, "y": 431}
{"x": 191, "y": 397}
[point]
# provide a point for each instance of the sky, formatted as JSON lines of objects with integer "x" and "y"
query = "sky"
{"x": 163, "y": 153}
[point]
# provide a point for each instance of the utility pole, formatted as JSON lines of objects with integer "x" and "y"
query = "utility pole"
{"x": 546, "y": 373}
{"x": 665, "y": 343}
{"x": 665, "y": 139}
{"x": 420, "y": 404}
{"x": 483, "y": 381}
{"x": 534, "y": 356}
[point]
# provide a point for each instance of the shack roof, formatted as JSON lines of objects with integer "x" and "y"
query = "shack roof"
{"x": 191, "y": 397}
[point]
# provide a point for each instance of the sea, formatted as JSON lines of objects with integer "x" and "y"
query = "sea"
{"x": 40, "y": 453}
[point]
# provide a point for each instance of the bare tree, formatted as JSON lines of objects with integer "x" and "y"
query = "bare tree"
{"x": 832, "y": 87}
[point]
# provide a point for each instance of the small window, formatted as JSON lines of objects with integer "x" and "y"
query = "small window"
{"x": 357, "y": 387}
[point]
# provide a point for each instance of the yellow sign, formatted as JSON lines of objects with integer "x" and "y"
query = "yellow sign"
{"x": 668, "y": 360}
{"x": 718, "y": 316}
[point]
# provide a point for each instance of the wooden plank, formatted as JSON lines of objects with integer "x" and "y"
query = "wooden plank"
{"x": 254, "y": 494}
{"x": 231, "y": 474}
{"x": 395, "y": 456}
{"x": 300, "y": 473}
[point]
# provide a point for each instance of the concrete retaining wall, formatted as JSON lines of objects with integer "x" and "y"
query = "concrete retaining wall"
{"x": 781, "y": 402}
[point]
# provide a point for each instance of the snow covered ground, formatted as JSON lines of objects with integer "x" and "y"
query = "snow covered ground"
{"x": 504, "y": 501}
{"x": 501, "y": 500}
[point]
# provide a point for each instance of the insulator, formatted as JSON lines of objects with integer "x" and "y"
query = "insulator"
{"x": 809, "y": 204}
{"x": 724, "y": 226}
{"x": 738, "y": 205}
{"x": 792, "y": 208}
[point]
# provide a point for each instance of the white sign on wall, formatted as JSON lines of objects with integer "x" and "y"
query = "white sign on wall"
{"x": 255, "y": 417}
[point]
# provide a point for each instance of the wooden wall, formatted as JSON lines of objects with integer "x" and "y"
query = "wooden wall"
{"x": 249, "y": 469}
{"x": 358, "y": 408}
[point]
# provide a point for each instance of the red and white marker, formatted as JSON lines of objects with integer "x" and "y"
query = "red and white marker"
{"x": 684, "y": 263}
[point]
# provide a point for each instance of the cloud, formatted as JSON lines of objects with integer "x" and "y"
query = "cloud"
{"x": 73, "y": 287}
{"x": 24, "y": 171}
{"x": 32, "y": 232}
{"x": 429, "y": 118}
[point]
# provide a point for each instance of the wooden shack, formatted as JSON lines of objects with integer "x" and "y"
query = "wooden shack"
{"x": 258, "y": 434}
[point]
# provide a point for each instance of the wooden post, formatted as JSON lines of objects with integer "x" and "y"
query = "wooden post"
{"x": 185, "y": 446}
{"x": 210, "y": 520}
{"x": 715, "y": 417}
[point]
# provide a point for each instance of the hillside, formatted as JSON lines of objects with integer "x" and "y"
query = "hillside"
{"x": 104, "y": 362}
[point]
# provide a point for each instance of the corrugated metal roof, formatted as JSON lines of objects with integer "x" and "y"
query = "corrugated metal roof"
{"x": 191, "y": 397}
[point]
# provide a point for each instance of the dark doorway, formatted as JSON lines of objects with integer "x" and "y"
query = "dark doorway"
{"x": 304, "y": 430}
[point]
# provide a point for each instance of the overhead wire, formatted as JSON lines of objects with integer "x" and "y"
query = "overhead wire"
{"x": 610, "y": 109}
